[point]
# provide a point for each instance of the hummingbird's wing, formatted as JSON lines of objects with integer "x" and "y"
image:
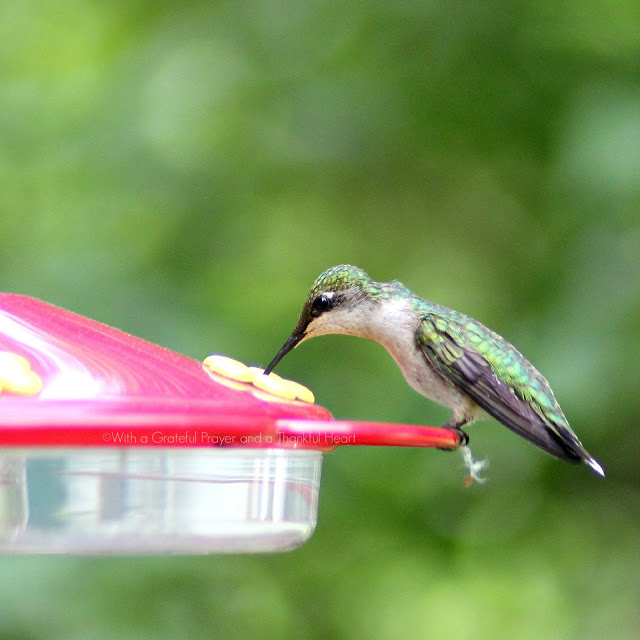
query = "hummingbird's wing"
{"x": 501, "y": 382}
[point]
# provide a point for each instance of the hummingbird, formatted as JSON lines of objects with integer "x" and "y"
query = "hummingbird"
{"x": 444, "y": 355}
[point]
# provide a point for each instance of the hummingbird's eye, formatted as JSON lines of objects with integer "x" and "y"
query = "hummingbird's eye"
{"x": 320, "y": 304}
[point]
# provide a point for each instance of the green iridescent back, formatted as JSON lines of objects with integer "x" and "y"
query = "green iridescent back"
{"x": 505, "y": 360}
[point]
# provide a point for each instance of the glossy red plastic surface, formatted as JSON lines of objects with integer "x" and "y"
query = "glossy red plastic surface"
{"x": 103, "y": 387}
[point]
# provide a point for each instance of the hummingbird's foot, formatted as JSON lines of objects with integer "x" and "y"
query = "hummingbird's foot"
{"x": 463, "y": 437}
{"x": 456, "y": 425}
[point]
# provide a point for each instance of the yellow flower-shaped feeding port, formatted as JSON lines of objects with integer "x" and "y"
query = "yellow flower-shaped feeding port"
{"x": 236, "y": 372}
{"x": 16, "y": 376}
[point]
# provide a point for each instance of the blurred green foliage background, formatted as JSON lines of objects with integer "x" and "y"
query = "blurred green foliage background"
{"x": 184, "y": 171}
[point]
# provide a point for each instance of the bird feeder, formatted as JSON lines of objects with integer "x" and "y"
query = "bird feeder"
{"x": 111, "y": 444}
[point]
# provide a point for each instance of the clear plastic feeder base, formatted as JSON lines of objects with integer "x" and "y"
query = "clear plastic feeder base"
{"x": 151, "y": 500}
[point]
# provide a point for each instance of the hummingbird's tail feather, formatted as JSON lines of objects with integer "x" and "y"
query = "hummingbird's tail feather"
{"x": 553, "y": 438}
{"x": 570, "y": 442}
{"x": 595, "y": 465}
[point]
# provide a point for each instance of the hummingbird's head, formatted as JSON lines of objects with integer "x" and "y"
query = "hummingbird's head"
{"x": 335, "y": 304}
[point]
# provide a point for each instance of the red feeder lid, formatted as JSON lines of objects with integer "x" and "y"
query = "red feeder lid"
{"x": 69, "y": 381}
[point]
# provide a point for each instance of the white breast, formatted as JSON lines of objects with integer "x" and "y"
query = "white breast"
{"x": 395, "y": 329}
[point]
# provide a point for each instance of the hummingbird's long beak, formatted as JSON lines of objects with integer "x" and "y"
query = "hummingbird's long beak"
{"x": 292, "y": 341}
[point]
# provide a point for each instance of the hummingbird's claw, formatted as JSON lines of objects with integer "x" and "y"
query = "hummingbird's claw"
{"x": 463, "y": 437}
{"x": 456, "y": 427}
